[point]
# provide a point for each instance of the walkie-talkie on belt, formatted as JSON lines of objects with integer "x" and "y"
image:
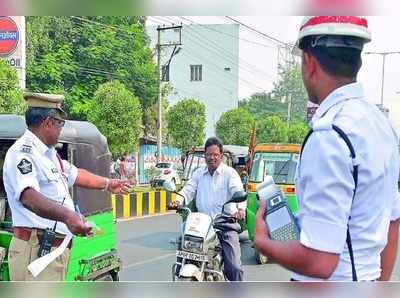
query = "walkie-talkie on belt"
{"x": 48, "y": 239}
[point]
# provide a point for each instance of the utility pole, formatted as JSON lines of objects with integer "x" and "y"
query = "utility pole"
{"x": 289, "y": 109}
{"x": 160, "y": 79}
{"x": 383, "y": 54}
{"x": 159, "y": 122}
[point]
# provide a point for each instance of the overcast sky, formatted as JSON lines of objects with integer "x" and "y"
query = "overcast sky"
{"x": 385, "y": 37}
{"x": 261, "y": 55}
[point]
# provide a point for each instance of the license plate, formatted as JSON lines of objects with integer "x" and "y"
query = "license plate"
{"x": 191, "y": 256}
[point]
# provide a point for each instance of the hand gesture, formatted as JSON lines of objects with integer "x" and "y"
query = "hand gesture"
{"x": 77, "y": 226}
{"x": 174, "y": 205}
{"x": 240, "y": 214}
{"x": 119, "y": 186}
{"x": 261, "y": 230}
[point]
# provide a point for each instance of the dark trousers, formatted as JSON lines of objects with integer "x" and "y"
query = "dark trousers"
{"x": 231, "y": 255}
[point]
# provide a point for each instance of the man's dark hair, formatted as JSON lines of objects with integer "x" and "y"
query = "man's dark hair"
{"x": 35, "y": 116}
{"x": 214, "y": 141}
{"x": 336, "y": 61}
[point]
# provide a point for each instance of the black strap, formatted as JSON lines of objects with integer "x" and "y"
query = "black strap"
{"x": 346, "y": 139}
{"x": 305, "y": 141}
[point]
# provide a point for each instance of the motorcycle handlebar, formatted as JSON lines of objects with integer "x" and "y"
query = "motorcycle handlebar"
{"x": 169, "y": 207}
{"x": 179, "y": 209}
{"x": 182, "y": 209}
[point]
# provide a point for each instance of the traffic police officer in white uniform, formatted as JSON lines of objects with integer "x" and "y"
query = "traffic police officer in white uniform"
{"x": 36, "y": 180}
{"x": 349, "y": 206}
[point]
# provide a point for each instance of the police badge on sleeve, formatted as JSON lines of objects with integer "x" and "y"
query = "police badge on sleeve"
{"x": 25, "y": 166}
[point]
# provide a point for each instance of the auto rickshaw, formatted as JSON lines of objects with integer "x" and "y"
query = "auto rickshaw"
{"x": 81, "y": 143}
{"x": 280, "y": 162}
{"x": 234, "y": 156}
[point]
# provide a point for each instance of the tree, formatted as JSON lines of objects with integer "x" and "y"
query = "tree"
{"x": 271, "y": 129}
{"x": 186, "y": 124}
{"x": 74, "y": 55}
{"x": 150, "y": 114}
{"x": 290, "y": 85}
{"x": 234, "y": 127}
{"x": 117, "y": 113}
{"x": 297, "y": 132}
{"x": 11, "y": 101}
{"x": 150, "y": 117}
{"x": 275, "y": 103}
{"x": 261, "y": 105}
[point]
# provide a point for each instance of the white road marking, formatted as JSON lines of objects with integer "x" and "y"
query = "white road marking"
{"x": 149, "y": 260}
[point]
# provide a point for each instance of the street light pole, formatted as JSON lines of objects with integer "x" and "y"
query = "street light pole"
{"x": 383, "y": 54}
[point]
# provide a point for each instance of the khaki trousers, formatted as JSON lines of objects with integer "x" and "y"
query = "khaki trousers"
{"x": 21, "y": 253}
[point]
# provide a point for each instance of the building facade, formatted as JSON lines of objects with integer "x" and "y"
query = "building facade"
{"x": 203, "y": 67}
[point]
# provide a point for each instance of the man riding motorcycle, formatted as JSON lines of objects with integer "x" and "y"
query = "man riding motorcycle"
{"x": 211, "y": 186}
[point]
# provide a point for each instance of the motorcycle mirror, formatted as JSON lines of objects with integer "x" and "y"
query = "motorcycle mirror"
{"x": 169, "y": 185}
{"x": 239, "y": 196}
{"x": 235, "y": 160}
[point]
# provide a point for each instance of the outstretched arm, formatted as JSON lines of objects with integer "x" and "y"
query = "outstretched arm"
{"x": 89, "y": 180}
{"x": 43, "y": 207}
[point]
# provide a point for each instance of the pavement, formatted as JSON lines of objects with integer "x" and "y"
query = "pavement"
{"x": 146, "y": 246}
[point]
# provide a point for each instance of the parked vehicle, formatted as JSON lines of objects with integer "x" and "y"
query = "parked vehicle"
{"x": 81, "y": 143}
{"x": 199, "y": 252}
{"x": 165, "y": 171}
{"x": 280, "y": 162}
{"x": 234, "y": 156}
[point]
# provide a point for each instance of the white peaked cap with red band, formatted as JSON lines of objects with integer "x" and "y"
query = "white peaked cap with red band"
{"x": 335, "y": 25}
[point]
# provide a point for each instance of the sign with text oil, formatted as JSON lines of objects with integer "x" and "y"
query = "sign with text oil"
{"x": 12, "y": 44}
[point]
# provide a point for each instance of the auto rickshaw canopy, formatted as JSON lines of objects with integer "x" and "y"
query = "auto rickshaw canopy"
{"x": 82, "y": 144}
{"x": 13, "y": 126}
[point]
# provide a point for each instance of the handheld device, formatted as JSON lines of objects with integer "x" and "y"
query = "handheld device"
{"x": 48, "y": 239}
{"x": 280, "y": 221}
{"x": 47, "y": 242}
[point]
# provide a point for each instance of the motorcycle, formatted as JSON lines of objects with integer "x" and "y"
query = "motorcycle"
{"x": 198, "y": 249}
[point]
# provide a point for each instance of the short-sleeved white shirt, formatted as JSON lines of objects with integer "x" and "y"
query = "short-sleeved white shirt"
{"x": 212, "y": 191}
{"x": 324, "y": 183}
{"x": 30, "y": 163}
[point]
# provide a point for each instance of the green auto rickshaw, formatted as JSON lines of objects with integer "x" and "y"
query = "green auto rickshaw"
{"x": 81, "y": 143}
{"x": 280, "y": 162}
{"x": 234, "y": 156}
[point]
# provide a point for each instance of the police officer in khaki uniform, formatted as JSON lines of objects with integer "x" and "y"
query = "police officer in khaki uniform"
{"x": 37, "y": 180}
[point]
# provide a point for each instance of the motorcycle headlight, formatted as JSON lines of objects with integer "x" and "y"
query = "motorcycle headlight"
{"x": 191, "y": 243}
